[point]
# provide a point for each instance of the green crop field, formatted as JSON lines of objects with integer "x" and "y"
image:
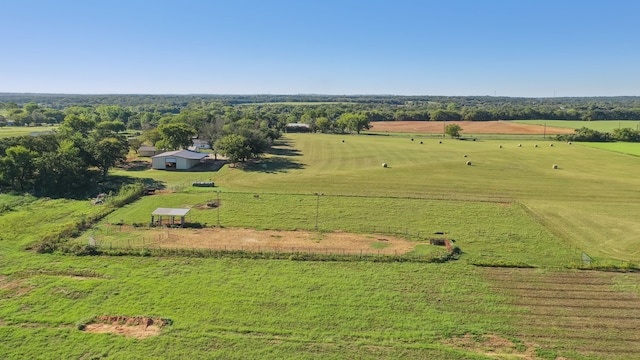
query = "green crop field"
{"x": 604, "y": 126}
{"x": 510, "y": 206}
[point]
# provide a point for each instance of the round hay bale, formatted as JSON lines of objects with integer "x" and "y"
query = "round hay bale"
{"x": 440, "y": 142}
{"x": 384, "y": 165}
{"x": 519, "y": 145}
{"x": 420, "y": 142}
{"x": 550, "y": 145}
{"x": 500, "y": 146}
{"x": 465, "y": 155}
{"x": 536, "y": 145}
{"x": 569, "y": 142}
{"x": 555, "y": 166}
{"x": 342, "y": 140}
{"x": 468, "y": 163}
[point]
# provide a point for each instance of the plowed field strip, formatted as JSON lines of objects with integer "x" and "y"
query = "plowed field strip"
{"x": 556, "y": 296}
{"x": 591, "y": 339}
{"x": 536, "y": 282}
{"x": 563, "y": 290}
{"x": 633, "y": 307}
{"x": 543, "y": 325}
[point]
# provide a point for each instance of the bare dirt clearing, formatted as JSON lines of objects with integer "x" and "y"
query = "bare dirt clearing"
{"x": 138, "y": 327}
{"x": 272, "y": 240}
{"x": 468, "y": 127}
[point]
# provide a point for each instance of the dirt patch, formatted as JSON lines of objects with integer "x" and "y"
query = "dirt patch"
{"x": 272, "y": 240}
{"x": 137, "y": 327}
{"x": 468, "y": 127}
{"x": 495, "y": 346}
{"x": 15, "y": 287}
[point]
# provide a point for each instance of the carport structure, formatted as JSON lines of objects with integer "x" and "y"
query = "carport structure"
{"x": 170, "y": 215}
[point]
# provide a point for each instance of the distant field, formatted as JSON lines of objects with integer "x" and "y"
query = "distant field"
{"x": 468, "y": 127}
{"x": 9, "y": 131}
{"x": 621, "y": 147}
{"x": 604, "y": 126}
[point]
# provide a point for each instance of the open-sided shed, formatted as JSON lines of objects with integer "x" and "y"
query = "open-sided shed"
{"x": 169, "y": 214}
{"x": 177, "y": 160}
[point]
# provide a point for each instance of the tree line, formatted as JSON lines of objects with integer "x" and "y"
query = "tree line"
{"x": 140, "y": 111}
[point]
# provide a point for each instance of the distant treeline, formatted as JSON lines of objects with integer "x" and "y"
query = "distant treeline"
{"x": 304, "y": 108}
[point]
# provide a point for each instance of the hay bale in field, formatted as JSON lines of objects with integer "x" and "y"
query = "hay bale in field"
{"x": 550, "y": 145}
{"x": 555, "y": 166}
{"x": 342, "y": 140}
{"x": 570, "y": 143}
{"x": 500, "y": 146}
{"x": 465, "y": 155}
{"x": 536, "y": 145}
{"x": 384, "y": 165}
{"x": 468, "y": 163}
{"x": 420, "y": 142}
{"x": 519, "y": 145}
{"x": 440, "y": 142}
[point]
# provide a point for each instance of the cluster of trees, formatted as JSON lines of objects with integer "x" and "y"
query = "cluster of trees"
{"x": 586, "y": 134}
{"x": 59, "y": 164}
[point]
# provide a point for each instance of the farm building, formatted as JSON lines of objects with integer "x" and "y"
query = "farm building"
{"x": 199, "y": 145}
{"x": 177, "y": 160}
{"x": 297, "y": 127}
{"x": 147, "y": 150}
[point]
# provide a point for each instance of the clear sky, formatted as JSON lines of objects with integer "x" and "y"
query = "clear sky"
{"x": 530, "y": 48}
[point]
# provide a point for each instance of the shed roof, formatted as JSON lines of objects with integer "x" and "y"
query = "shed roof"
{"x": 185, "y": 154}
{"x": 170, "y": 212}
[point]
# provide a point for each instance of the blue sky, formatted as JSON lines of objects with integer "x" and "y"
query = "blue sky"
{"x": 524, "y": 48}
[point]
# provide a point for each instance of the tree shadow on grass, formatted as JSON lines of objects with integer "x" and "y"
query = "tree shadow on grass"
{"x": 272, "y": 165}
{"x": 283, "y": 148}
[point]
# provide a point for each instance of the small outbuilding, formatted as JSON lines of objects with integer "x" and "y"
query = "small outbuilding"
{"x": 199, "y": 145}
{"x": 177, "y": 160}
{"x": 147, "y": 150}
{"x": 168, "y": 216}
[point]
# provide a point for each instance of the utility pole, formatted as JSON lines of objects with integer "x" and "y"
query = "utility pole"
{"x": 218, "y": 206}
{"x": 317, "y": 208}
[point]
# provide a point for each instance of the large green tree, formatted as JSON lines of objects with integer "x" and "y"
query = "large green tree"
{"x": 234, "y": 147}
{"x": 108, "y": 151}
{"x": 175, "y": 136}
{"x": 453, "y": 130}
{"x": 18, "y": 167}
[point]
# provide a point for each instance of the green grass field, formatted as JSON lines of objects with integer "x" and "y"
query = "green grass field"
{"x": 10, "y": 131}
{"x": 509, "y": 205}
{"x": 620, "y": 147}
{"x": 604, "y": 126}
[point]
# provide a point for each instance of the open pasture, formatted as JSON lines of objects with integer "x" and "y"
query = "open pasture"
{"x": 10, "y": 131}
{"x": 588, "y": 203}
{"x": 468, "y": 127}
{"x": 599, "y": 125}
{"x": 620, "y": 147}
{"x": 510, "y": 205}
